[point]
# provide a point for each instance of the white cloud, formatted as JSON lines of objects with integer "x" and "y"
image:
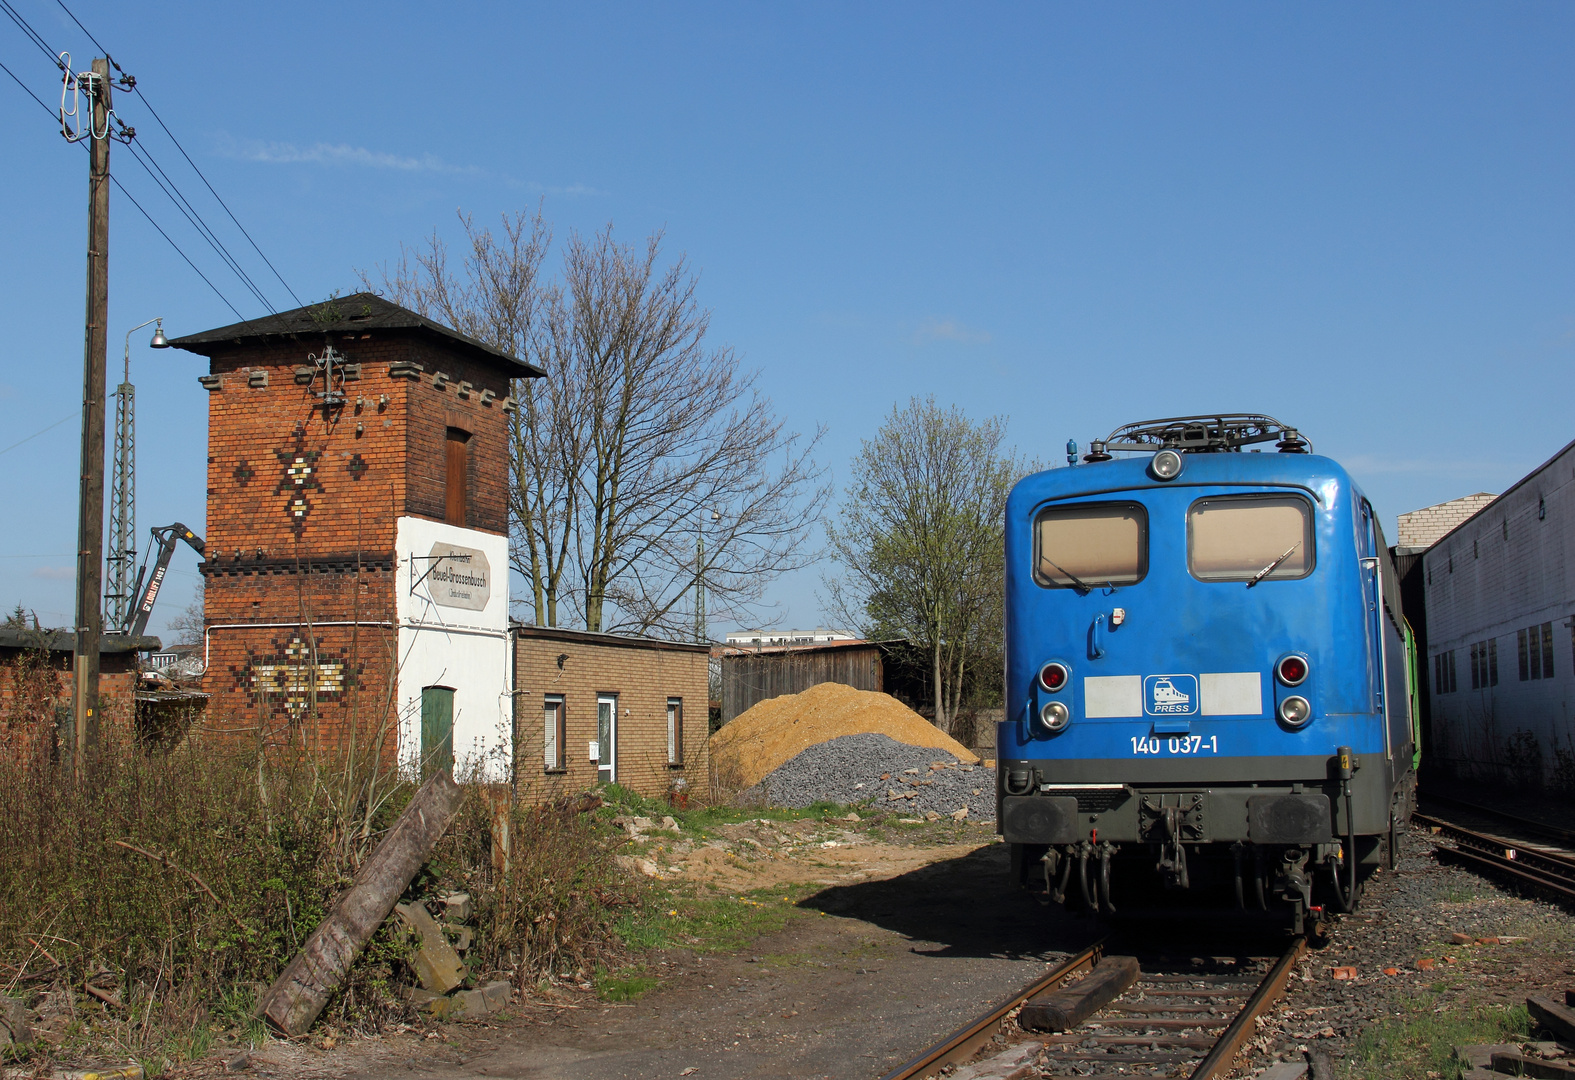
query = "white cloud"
{"x": 949, "y": 330}
{"x": 1377, "y": 464}
{"x": 54, "y": 573}
{"x": 283, "y": 153}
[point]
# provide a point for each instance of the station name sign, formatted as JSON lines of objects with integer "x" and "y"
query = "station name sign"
{"x": 458, "y": 577}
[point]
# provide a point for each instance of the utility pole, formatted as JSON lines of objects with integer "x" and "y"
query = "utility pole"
{"x": 90, "y": 511}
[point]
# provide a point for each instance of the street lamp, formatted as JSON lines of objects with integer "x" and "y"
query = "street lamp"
{"x": 700, "y": 619}
{"x": 123, "y": 502}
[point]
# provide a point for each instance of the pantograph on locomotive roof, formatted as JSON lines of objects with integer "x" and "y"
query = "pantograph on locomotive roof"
{"x": 1211, "y": 433}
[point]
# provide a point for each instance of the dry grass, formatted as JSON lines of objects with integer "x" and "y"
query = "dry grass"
{"x": 145, "y": 904}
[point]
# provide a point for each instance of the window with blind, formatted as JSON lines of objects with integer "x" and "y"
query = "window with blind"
{"x": 675, "y": 731}
{"x": 555, "y": 736}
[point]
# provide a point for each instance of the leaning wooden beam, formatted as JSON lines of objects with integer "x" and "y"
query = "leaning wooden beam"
{"x": 293, "y": 1003}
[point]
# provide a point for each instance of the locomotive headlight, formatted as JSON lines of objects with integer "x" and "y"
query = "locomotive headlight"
{"x": 1055, "y": 716}
{"x": 1295, "y": 711}
{"x": 1166, "y": 465}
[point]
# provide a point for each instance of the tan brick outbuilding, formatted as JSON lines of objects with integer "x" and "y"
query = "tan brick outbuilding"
{"x": 659, "y": 690}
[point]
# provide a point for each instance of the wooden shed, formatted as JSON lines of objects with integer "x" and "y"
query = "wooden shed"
{"x": 752, "y": 675}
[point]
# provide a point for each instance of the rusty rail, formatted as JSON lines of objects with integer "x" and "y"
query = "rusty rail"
{"x": 966, "y": 1040}
{"x": 1525, "y": 862}
{"x": 1219, "y": 1059}
{"x": 963, "y": 1043}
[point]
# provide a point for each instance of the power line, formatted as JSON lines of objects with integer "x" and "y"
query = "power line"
{"x": 32, "y": 35}
{"x": 147, "y": 161}
{"x": 39, "y": 432}
{"x": 215, "y": 194}
{"x": 154, "y": 113}
{"x": 26, "y": 90}
{"x": 116, "y": 181}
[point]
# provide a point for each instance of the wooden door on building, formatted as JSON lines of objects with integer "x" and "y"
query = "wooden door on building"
{"x": 437, "y": 730}
{"x": 607, "y": 738}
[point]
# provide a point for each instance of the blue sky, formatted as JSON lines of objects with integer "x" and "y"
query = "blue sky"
{"x": 1354, "y": 217}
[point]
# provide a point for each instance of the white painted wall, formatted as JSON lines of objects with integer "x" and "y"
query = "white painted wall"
{"x": 1510, "y": 566}
{"x": 449, "y": 636}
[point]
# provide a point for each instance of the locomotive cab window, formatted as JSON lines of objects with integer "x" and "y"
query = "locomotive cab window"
{"x": 1250, "y": 537}
{"x": 1091, "y": 545}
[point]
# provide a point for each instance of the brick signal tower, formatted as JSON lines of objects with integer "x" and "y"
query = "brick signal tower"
{"x": 357, "y": 551}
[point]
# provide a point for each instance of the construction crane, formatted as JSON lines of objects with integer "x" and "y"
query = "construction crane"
{"x": 164, "y": 541}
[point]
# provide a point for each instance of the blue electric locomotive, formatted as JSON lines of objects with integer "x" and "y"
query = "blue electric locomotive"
{"x": 1208, "y": 677}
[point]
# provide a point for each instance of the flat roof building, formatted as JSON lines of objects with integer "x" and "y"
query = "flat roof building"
{"x": 1500, "y": 664}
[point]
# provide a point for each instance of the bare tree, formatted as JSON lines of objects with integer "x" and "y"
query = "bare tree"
{"x": 187, "y": 625}
{"x": 641, "y": 436}
{"x": 920, "y": 539}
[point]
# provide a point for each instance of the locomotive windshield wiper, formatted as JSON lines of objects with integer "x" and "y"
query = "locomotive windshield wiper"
{"x": 1077, "y": 583}
{"x": 1267, "y": 570}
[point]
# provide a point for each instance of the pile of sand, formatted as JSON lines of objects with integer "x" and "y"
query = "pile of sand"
{"x": 777, "y": 730}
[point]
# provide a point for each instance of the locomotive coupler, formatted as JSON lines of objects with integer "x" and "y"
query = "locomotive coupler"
{"x": 1292, "y": 883}
{"x": 1172, "y": 864}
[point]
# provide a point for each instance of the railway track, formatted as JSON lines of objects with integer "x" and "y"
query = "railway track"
{"x": 1543, "y": 866}
{"x": 1195, "y": 1012}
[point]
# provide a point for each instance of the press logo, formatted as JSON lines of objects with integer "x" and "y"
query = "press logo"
{"x": 1170, "y": 695}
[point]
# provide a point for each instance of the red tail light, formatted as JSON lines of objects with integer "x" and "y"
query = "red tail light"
{"x": 1053, "y": 676}
{"x": 1292, "y": 670}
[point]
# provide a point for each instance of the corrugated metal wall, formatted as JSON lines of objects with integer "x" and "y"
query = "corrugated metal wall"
{"x": 749, "y": 678}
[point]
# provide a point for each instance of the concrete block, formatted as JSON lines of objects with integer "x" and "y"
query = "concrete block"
{"x": 14, "y": 1022}
{"x": 436, "y": 963}
{"x": 457, "y": 907}
{"x": 1480, "y": 1056}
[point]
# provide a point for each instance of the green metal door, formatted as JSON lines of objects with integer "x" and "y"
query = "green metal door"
{"x": 437, "y": 730}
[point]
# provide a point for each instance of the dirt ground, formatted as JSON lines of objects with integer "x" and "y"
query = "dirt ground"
{"x": 902, "y": 932}
{"x": 902, "y": 942}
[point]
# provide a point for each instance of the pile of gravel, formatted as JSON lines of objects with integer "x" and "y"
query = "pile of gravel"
{"x": 849, "y": 769}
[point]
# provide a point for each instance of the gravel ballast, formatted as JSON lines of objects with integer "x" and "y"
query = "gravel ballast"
{"x": 849, "y": 770}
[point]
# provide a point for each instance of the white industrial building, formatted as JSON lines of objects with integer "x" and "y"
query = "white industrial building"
{"x": 1500, "y": 607}
{"x": 742, "y": 639}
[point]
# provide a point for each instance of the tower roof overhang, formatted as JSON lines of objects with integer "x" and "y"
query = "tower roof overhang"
{"x": 353, "y": 314}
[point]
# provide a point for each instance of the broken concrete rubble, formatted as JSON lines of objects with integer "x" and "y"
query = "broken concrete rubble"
{"x": 15, "y": 1024}
{"x": 456, "y": 907}
{"x": 435, "y": 962}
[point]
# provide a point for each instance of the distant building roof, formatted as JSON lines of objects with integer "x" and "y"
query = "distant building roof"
{"x": 587, "y": 637}
{"x": 12, "y": 637}
{"x": 355, "y": 313}
{"x": 1421, "y": 529}
{"x": 787, "y": 637}
{"x": 734, "y": 648}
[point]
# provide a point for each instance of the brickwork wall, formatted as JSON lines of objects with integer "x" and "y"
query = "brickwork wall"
{"x": 643, "y": 677}
{"x": 303, "y": 506}
{"x": 31, "y": 705}
{"x": 1422, "y": 528}
{"x": 458, "y": 404}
